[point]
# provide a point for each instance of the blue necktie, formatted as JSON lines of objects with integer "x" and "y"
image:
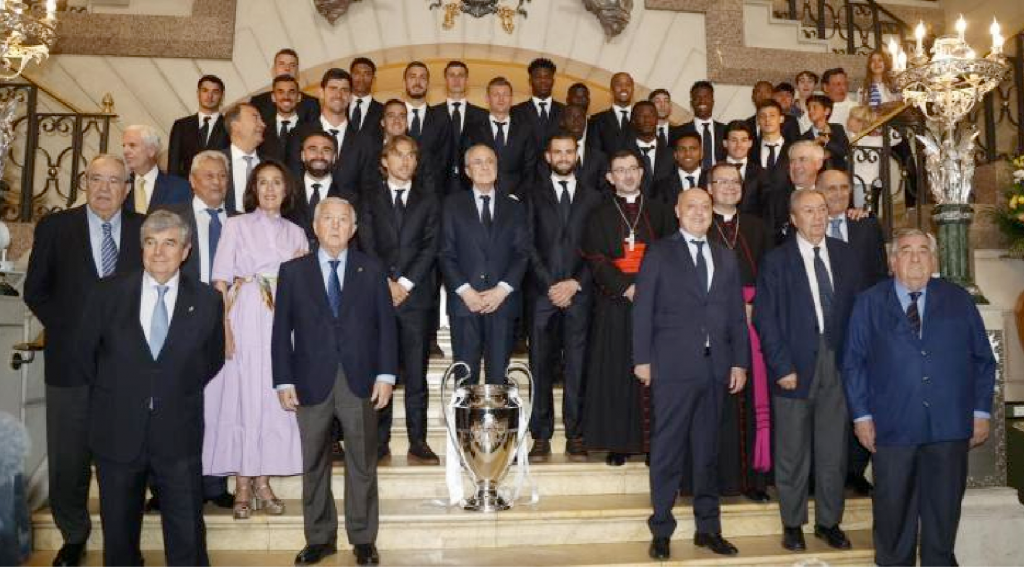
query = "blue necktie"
{"x": 825, "y": 294}
{"x": 108, "y": 251}
{"x": 158, "y": 326}
{"x": 835, "y": 230}
{"x": 215, "y": 227}
{"x": 913, "y": 315}
{"x": 702, "y": 265}
{"x": 334, "y": 288}
{"x": 707, "y": 145}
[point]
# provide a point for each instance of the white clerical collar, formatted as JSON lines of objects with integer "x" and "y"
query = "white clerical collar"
{"x": 628, "y": 198}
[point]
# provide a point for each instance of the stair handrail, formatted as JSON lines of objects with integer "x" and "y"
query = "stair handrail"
{"x": 885, "y": 118}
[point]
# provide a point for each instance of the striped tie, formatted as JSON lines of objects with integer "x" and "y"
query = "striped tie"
{"x": 913, "y": 315}
{"x": 108, "y": 251}
{"x": 875, "y": 97}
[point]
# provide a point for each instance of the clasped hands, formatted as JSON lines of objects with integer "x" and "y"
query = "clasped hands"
{"x": 398, "y": 292}
{"x": 561, "y": 293}
{"x": 484, "y": 302}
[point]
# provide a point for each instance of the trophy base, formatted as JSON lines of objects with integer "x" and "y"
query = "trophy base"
{"x": 486, "y": 499}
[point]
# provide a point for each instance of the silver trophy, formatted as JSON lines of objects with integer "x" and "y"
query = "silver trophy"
{"x": 484, "y": 429}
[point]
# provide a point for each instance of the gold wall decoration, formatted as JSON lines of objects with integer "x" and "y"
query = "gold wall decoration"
{"x": 506, "y": 10}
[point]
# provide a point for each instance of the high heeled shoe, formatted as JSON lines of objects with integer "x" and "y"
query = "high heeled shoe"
{"x": 271, "y": 504}
{"x": 243, "y": 507}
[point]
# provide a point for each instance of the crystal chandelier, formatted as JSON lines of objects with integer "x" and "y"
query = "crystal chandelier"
{"x": 29, "y": 30}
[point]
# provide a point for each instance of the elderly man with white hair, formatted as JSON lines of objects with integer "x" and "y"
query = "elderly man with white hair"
{"x": 148, "y": 186}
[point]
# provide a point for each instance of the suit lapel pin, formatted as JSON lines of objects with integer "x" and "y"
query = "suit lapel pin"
{"x": 359, "y": 269}
{"x": 191, "y": 308}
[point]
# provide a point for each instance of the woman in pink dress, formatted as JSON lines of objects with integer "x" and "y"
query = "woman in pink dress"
{"x": 247, "y": 433}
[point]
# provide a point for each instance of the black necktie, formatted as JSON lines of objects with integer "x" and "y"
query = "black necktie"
{"x": 417, "y": 126}
{"x": 485, "y": 214}
{"x": 399, "y": 207}
{"x": 707, "y": 139}
{"x": 456, "y": 122}
{"x": 624, "y": 121}
{"x": 565, "y": 202}
{"x": 702, "y": 265}
{"x": 647, "y": 157}
{"x": 334, "y": 288}
{"x": 314, "y": 199}
{"x": 692, "y": 181}
{"x": 663, "y": 135}
{"x": 284, "y": 128}
{"x": 543, "y": 111}
{"x": 499, "y": 138}
{"x": 204, "y": 132}
{"x": 913, "y": 315}
{"x": 337, "y": 143}
{"x": 357, "y": 115}
{"x": 771, "y": 155}
{"x": 825, "y": 295}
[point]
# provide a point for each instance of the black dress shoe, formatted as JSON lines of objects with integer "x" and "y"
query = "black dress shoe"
{"x": 647, "y": 460}
{"x": 575, "y": 449}
{"x": 793, "y": 539}
{"x": 69, "y": 554}
{"x": 421, "y": 454}
{"x": 222, "y": 500}
{"x": 715, "y": 542}
{"x": 833, "y": 536}
{"x": 314, "y": 553}
{"x": 615, "y": 459}
{"x": 520, "y": 348}
{"x": 337, "y": 452}
{"x": 383, "y": 454}
{"x": 366, "y": 554}
{"x": 540, "y": 452}
{"x": 659, "y": 548}
{"x": 757, "y": 495}
{"x": 435, "y": 350}
{"x": 152, "y": 505}
{"x": 860, "y": 485}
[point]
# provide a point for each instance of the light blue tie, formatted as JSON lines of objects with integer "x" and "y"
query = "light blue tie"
{"x": 835, "y": 230}
{"x": 108, "y": 251}
{"x": 158, "y": 326}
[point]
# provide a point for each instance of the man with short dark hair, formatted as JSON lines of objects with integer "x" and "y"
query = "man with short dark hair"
{"x": 591, "y": 163}
{"x": 662, "y": 100}
{"x": 364, "y": 112}
{"x": 828, "y": 134}
{"x": 286, "y": 62}
{"x": 686, "y": 154}
{"x": 739, "y": 139}
{"x": 512, "y": 140}
{"x": 335, "y": 91}
{"x": 430, "y": 126}
{"x": 318, "y": 180}
{"x": 836, "y": 85}
{"x": 578, "y": 94}
{"x": 643, "y": 141}
{"x": 245, "y": 130}
{"x": 283, "y": 122}
{"x": 462, "y": 115}
{"x": 609, "y": 129}
{"x": 203, "y": 130}
{"x": 711, "y": 131}
{"x": 541, "y": 111}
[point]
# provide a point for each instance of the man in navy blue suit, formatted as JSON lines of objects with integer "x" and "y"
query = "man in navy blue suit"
{"x": 148, "y": 187}
{"x": 690, "y": 344}
{"x": 919, "y": 375}
{"x": 805, "y": 291}
{"x": 334, "y": 350}
{"x": 485, "y": 249}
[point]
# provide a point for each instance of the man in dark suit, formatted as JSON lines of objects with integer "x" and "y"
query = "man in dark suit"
{"x": 578, "y": 94}
{"x": 283, "y": 120}
{"x": 335, "y": 91}
{"x": 430, "y": 126}
{"x": 203, "y": 130}
{"x": 483, "y": 256}
{"x": 762, "y": 93}
{"x": 286, "y": 62}
{"x": 738, "y": 141}
{"x": 364, "y": 112}
{"x": 686, "y": 157}
{"x": 608, "y": 129}
{"x": 245, "y": 129}
{"x": 148, "y": 186}
{"x": 400, "y": 225}
{"x": 169, "y": 327}
{"x": 559, "y": 296}
{"x": 828, "y": 135}
{"x": 71, "y": 251}
{"x": 334, "y": 350}
{"x": 662, "y": 100}
{"x": 805, "y": 291}
{"x": 591, "y": 163}
{"x": 919, "y": 375}
{"x": 710, "y": 131}
{"x": 461, "y": 114}
{"x": 511, "y": 140}
{"x": 803, "y": 161}
{"x": 642, "y": 140}
{"x": 690, "y": 346}
{"x": 318, "y": 180}
{"x": 770, "y": 149}
{"x": 541, "y": 111}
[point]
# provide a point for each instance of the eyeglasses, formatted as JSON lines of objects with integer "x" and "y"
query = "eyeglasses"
{"x": 625, "y": 170}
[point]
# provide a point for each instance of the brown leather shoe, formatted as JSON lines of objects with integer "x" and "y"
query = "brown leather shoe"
{"x": 575, "y": 450}
{"x": 541, "y": 451}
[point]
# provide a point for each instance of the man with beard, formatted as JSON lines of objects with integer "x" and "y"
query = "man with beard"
{"x": 710, "y": 131}
{"x": 428, "y": 125}
{"x": 318, "y": 181}
{"x": 610, "y": 129}
{"x": 559, "y": 296}
{"x": 286, "y": 62}
{"x": 280, "y": 125}
{"x": 643, "y": 141}
{"x": 541, "y": 111}
{"x": 335, "y": 91}
{"x": 591, "y": 163}
{"x": 616, "y": 409}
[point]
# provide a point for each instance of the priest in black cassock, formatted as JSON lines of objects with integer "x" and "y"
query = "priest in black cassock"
{"x": 616, "y": 408}
{"x": 744, "y": 457}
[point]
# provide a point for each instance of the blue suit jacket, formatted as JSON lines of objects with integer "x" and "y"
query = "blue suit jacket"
{"x": 170, "y": 189}
{"x": 918, "y": 390}
{"x": 784, "y": 312}
{"x": 303, "y": 341}
{"x": 672, "y": 316}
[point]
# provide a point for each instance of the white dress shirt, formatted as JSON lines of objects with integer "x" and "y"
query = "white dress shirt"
{"x": 807, "y": 254}
{"x": 705, "y": 251}
{"x": 742, "y": 164}
{"x": 402, "y": 280}
{"x": 149, "y": 297}
{"x": 492, "y": 119}
{"x": 150, "y": 178}
{"x": 663, "y": 131}
{"x": 699, "y": 125}
{"x": 292, "y": 122}
{"x": 480, "y": 211}
{"x": 683, "y": 174}
{"x": 653, "y": 154}
{"x": 617, "y": 111}
{"x": 778, "y": 143}
{"x": 325, "y": 185}
{"x": 203, "y": 234}
{"x": 462, "y": 110}
{"x": 341, "y": 128}
{"x": 844, "y": 227}
{"x": 364, "y": 107}
{"x": 96, "y": 235}
{"x": 213, "y": 122}
{"x": 570, "y": 185}
{"x": 238, "y": 169}
{"x": 422, "y": 109}
{"x": 547, "y": 105}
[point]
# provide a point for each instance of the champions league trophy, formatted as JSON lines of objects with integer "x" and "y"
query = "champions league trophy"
{"x": 486, "y": 426}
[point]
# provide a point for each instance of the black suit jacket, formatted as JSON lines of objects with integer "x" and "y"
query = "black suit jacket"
{"x": 668, "y": 188}
{"x": 191, "y": 266}
{"x": 469, "y": 254}
{"x": 555, "y": 246}
{"x": 409, "y": 250}
{"x": 302, "y": 214}
{"x": 591, "y": 171}
{"x": 785, "y": 317}
{"x": 790, "y": 128}
{"x": 755, "y": 190}
{"x": 134, "y": 397}
{"x": 868, "y": 245}
{"x": 170, "y": 189}
{"x": 717, "y": 141}
{"x": 274, "y": 146}
{"x": 435, "y": 147}
{"x": 61, "y": 274}
{"x": 454, "y": 179}
{"x": 185, "y": 143}
{"x": 838, "y": 145}
{"x": 604, "y": 131}
{"x": 308, "y": 342}
{"x": 542, "y": 131}
{"x": 673, "y": 317}
{"x": 664, "y": 165}
{"x": 372, "y": 117}
{"x": 517, "y": 162}
{"x": 308, "y": 108}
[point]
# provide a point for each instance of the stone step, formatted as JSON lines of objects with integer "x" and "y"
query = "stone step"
{"x": 421, "y": 524}
{"x": 399, "y": 480}
{"x": 754, "y": 550}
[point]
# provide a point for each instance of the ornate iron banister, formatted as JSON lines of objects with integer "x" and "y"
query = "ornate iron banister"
{"x": 851, "y": 26}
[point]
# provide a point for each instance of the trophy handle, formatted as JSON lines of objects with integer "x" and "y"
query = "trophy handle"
{"x": 510, "y": 372}
{"x": 449, "y": 427}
